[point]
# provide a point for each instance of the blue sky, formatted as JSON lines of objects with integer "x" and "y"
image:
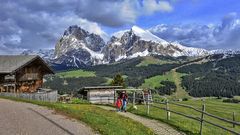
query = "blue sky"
{"x": 188, "y": 12}
{"x": 209, "y": 24}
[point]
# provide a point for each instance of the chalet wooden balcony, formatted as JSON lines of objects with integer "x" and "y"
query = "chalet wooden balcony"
{"x": 29, "y": 77}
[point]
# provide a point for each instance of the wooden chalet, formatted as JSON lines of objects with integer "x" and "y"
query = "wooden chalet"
{"x": 22, "y": 73}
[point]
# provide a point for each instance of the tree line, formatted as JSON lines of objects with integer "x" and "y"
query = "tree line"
{"x": 220, "y": 78}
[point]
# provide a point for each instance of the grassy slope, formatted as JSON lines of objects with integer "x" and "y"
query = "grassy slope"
{"x": 104, "y": 122}
{"x": 170, "y": 76}
{"x": 180, "y": 93}
{"x": 76, "y": 74}
{"x": 213, "y": 106}
{"x": 151, "y": 60}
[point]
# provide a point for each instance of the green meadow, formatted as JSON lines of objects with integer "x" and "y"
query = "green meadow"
{"x": 76, "y": 74}
{"x": 191, "y": 127}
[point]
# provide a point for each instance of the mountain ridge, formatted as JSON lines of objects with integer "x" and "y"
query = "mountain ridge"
{"x": 78, "y": 47}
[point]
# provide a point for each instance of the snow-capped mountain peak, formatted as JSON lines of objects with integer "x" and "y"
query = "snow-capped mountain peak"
{"x": 147, "y": 36}
{"x": 78, "y": 47}
{"x": 138, "y": 42}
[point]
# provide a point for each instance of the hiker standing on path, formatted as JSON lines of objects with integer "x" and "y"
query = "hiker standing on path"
{"x": 124, "y": 97}
{"x": 119, "y": 104}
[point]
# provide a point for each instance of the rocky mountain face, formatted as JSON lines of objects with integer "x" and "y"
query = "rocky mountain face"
{"x": 78, "y": 47}
{"x": 138, "y": 42}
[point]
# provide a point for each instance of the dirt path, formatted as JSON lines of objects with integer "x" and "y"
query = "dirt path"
{"x": 180, "y": 93}
{"x": 158, "y": 127}
{"x": 17, "y": 118}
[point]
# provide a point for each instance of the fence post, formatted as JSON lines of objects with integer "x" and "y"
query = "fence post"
{"x": 114, "y": 97}
{"x": 134, "y": 98}
{"x": 148, "y": 109}
{"x": 167, "y": 108}
{"x": 202, "y": 118}
{"x": 233, "y": 119}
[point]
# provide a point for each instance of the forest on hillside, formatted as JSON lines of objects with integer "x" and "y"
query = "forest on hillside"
{"x": 134, "y": 75}
{"x": 218, "y": 77}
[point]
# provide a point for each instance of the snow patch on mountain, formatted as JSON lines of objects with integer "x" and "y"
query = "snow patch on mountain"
{"x": 189, "y": 51}
{"x": 147, "y": 36}
{"x": 140, "y": 54}
{"x": 46, "y": 54}
{"x": 119, "y": 34}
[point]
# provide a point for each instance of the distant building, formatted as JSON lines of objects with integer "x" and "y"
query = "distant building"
{"x": 19, "y": 73}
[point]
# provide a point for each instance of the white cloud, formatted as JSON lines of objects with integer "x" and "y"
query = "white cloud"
{"x": 212, "y": 36}
{"x": 120, "y": 12}
{"x": 28, "y": 24}
{"x": 151, "y": 6}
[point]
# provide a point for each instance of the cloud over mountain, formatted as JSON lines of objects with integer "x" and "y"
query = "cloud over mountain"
{"x": 226, "y": 34}
{"x": 26, "y": 24}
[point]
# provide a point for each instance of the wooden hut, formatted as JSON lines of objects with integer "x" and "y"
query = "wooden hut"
{"x": 20, "y": 73}
{"x": 101, "y": 94}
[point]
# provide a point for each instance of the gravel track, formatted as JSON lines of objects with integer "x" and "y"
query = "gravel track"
{"x": 17, "y": 118}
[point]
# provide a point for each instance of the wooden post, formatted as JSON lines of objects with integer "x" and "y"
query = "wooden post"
{"x": 202, "y": 118}
{"x": 167, "y": 108}
{"x": 148, "y": 107}
{"x": 134, "y": 98}
{"x": 233, "y": 119}
{"x": 114, "y": 97}
{"x": 144, "y": 100}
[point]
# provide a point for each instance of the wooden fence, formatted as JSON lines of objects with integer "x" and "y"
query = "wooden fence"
{"x": 200, "y": 119}
{"x": 168, "y": 110}
{"x": 50, "y": 96}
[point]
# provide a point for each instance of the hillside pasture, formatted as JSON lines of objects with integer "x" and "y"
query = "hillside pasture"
{"x": 172, "y": 76}
{"x": 152, "y": 60}
{"x": 76, "y": 74}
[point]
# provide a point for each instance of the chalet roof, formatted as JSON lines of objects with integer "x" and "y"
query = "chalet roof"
{"x": 11, "y": 63}
{"x": 101, "y": 87}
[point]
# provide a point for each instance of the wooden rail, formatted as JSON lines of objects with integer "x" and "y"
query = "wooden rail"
{"x": 200, "y": 119}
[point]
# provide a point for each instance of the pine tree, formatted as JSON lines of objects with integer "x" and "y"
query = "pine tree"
{"x": 118, "y": 81}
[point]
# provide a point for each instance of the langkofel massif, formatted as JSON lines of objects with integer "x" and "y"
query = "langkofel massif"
{"x": 77, "y": 47}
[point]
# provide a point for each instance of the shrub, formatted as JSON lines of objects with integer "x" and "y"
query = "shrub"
{"x": 231, "y": 100}
{"x": 78, "y": 101}
{"x": 185, "y": 99}
{"x": 167, "y": 88}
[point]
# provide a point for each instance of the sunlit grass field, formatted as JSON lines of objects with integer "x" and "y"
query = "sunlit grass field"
{"x": 151, "y": 60}
{"x": 172, "y": 76}
{"x": 76, "y": 74}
